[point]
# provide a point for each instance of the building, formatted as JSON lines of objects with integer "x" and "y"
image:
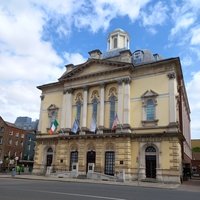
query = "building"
{"x": 29, "y": 150}
{"x": 30, "y": 126}
{"x": 11, "y": 144}
{"x": 196, "y": 157}
{"x": 143, "y": 93}
{"x": 26, "y": 123}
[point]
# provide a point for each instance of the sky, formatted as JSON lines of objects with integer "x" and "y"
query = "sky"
{"x": 39, "y": 37}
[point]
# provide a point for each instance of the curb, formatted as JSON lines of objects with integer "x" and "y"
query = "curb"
{"x": 133, "y": 184}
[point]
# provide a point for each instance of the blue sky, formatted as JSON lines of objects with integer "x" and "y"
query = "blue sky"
{"x": 39, "y": 37}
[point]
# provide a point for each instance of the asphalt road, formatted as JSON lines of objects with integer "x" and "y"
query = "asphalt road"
{"x": 18, "y": 189}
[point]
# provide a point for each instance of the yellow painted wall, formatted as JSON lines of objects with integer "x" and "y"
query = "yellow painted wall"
{"x": 158, "y": 83}
{"x": 138, "y": 87}
{"x": 50, "y": 98}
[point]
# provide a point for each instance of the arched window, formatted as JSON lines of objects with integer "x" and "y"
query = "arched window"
{"x": 94, "y": 108}
{"x": 150, "y": 110}
{"x": 49, "y": 150}
{"x": 150, "y": 149}
{"x": 112, "y": 109}
{"x": 78, "y": 111}
{"x": 52, "y": 113}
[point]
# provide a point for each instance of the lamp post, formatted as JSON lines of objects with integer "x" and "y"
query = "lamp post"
{"x": 16, "y": 162}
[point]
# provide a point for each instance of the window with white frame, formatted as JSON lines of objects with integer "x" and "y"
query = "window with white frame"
{"x": 10, "y": 141}
{"x": 149, "y": 103}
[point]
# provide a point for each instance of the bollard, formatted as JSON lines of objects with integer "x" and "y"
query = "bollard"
{"x": 13, "y": 173}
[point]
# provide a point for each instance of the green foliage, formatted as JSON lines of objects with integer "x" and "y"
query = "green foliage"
{"x": 196, "y": 149}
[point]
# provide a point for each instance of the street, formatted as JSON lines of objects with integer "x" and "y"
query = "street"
{"x": 19, "y": 189}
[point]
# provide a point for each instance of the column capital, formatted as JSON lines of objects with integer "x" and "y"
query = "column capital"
{"x": 102, "y": 85}
{"x": 85, "y": 88}
{"x": 127, "y": 80}
{"x": 69, "y": 91}
{"x": 42, "y": 97}
{"x": 120, "y": 81}
{"x": 171, "y": 75}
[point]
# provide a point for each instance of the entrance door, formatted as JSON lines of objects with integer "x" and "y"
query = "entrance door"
{"x": 91, "y": 157}
{"x": 49, "y": 160}
{"x": 49, "y": 157}
{"x": 110, "y": 163}
{"x": 150, "y": 166}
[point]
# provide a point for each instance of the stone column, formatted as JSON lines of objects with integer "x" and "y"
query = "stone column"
{"x": 84, "y": 117}
{"x": 41, "y": 110}
{"x": 64, "y": 110}
{"x": 120, "y": 101}
{"x": 102, "y": 94}
{"x": 172, "y": 97}
{"x": 126, "y": 121}
{"x": 69, "y": 109}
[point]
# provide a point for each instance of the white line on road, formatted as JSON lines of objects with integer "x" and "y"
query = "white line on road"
{"x": 80, "y": 195}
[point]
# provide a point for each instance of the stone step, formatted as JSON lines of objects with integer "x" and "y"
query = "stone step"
{"x": 81, "y": 176}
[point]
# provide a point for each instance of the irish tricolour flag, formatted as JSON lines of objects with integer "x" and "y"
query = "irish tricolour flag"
{"x": 53, "y": 127}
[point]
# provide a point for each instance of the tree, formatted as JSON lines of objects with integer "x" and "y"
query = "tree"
{"x": 196, "y": 149}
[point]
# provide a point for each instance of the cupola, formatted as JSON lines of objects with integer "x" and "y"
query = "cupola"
{"x": 118, "y": 39}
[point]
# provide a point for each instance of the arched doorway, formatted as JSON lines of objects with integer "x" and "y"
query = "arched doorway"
{"x": 49, "y": 158}
{"x": 150, "y": 159}
{"x": 91, "y": 158}
{"x": 73, "y": 158}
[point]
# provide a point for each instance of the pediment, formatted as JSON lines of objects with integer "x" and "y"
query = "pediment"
{"x": 149, "y": 93}
{"x": 92, "y": 67}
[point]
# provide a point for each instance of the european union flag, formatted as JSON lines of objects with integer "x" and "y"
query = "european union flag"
{"x": 75, "y": 126}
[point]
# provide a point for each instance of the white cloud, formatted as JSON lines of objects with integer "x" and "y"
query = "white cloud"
{"x": 195, "y": 38}
{"x": 26, "y": 60}
{"x": 104, "y": 11}
{"x": 182, "y": 22}
{"x": 74, "y": 58}
{"x": 156, "y": 15}
{"x": 186, "y": 61}
{"x": 193, "y": 90}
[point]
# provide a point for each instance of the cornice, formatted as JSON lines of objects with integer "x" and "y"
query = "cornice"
{"x": 110, "y": 71}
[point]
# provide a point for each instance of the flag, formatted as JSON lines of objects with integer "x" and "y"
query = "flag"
{"x": 116, "y": 120}
{"x": 53, "y": 127}
{"x": 75, "y": 126}
{"x": 93, "y": 125}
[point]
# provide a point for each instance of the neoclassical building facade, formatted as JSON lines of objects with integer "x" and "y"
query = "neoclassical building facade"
{"x": 146, "y": 91}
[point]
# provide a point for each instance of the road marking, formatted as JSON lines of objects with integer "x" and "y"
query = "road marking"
{"x": 80, "y": 195}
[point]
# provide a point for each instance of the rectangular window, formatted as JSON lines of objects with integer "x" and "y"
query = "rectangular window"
{"x": 1, "y": 140}
{"x": 78, "y": 112}
{"x": 112, "y": 110}
{"x": 10, "y": 141}
{"x": 94, "y": 114}
{"x": 17, "y": 135}
{"x": 150, "y": 110}
{"x": 73, "y": 158}
{"x": 110, "y": 163}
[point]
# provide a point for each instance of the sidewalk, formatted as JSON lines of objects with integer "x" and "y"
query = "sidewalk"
{"x": 192, "y": 185}
{"x": 132, "y": 183}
